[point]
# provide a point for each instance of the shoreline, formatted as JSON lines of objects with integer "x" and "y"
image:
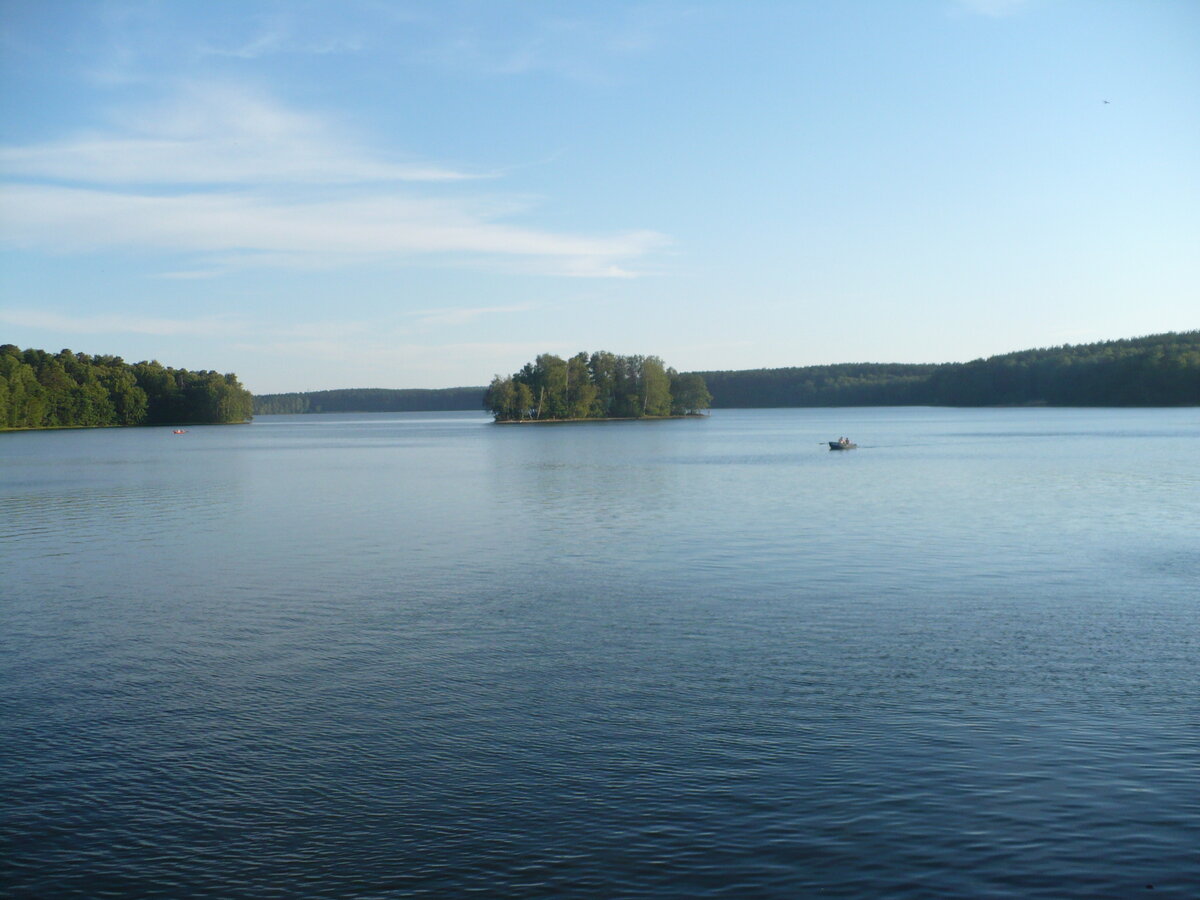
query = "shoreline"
{"x": 7, "y": 430}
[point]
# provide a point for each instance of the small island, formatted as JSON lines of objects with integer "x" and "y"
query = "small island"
{"x": 595, "y": 387}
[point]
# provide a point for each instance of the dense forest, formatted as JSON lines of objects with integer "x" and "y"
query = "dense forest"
{"x": 844, "y": 384}
{"x": 600, "y": 386}
{"x": 1159, "y": 370}
{"x": 369, "y": 400}
{"x": 65, "y": 389}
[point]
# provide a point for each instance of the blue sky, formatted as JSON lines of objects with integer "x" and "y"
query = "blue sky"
{"x": 367, "y": 193}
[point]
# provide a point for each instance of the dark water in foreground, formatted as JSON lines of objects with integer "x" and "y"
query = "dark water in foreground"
{"x": 418, "y": 655}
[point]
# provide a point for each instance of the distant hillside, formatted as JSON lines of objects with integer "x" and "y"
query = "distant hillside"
{"x": 371, "y": 400}
{"x": 1158, "y": 370}
{"x": 844, "y": 384}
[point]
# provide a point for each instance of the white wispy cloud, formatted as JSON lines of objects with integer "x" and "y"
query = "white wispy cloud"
{"x": 323, "y": 330}
{"x": 433, "y": 317}
{"x": 263, "y": 44}
{"x": 205, "y": 326}
{"x": 282, "y": 41}
{"x": 240, "y": 180}
{"x": 341, "y": 230}
{"x": 215, "y": 135}
{"x": 292, "y": 29}
{"x": 577, "y": 48}
{"x": 136, "y": 42}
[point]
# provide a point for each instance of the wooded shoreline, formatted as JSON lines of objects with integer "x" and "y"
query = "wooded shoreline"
{"x": 40, "y": 390}
{"x": 1152, "y": 371}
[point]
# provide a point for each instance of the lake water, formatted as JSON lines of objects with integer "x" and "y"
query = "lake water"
{"x": 420, "y": 655}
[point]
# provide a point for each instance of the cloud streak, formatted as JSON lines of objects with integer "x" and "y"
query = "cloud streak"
{"x": 215, "y": 136}
{"x": 280, "y": 41}
{"x": 240, "y": 181}
{"x": 581, "y": 48}
{"x": 337, "y": 230}
{"x": 209, "y": 326}
{"x": 430, "y": 317}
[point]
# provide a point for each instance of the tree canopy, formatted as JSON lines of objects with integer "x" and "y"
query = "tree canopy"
{"x": 598, "y": 386}
{"x": 66, "y": 389}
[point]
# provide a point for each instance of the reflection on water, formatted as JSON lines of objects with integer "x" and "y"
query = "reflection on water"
{"x": 418, "y": 655}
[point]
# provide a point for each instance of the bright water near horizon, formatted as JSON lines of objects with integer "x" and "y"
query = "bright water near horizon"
{"x": 419, "y": 655}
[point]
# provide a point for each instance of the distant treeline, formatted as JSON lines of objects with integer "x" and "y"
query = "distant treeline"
{"x": 65, "y": 389}
{"x": 370, "y": 400}
{"x": 1159, "y": 370}
{"x": 844, "y": 384}
{"x": 600, "y": 386}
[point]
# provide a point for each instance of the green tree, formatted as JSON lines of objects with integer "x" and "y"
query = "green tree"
{"x": 655, "y": 387}
{"x": 26, "y": 398}
{"x": 581, "y": 392}
{"x": 4, "y": 407}
{"x": 522, "y": 400}
{"x": 603, "y": 368}
{"x": 552, "y": 386}
{"x": 627, "y": 390}
{"x": 689, "y": 393}
{"x": 129, "y": 401}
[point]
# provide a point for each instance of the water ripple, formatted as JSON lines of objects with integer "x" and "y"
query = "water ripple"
{"x": 425, "y": 658}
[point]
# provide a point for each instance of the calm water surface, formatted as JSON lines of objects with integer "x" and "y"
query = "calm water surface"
{"x": 418, "y": 655}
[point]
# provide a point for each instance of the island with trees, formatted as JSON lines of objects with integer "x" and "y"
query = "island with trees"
{"x": 601, "y": 385}
{"x": 75, "y": 390}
